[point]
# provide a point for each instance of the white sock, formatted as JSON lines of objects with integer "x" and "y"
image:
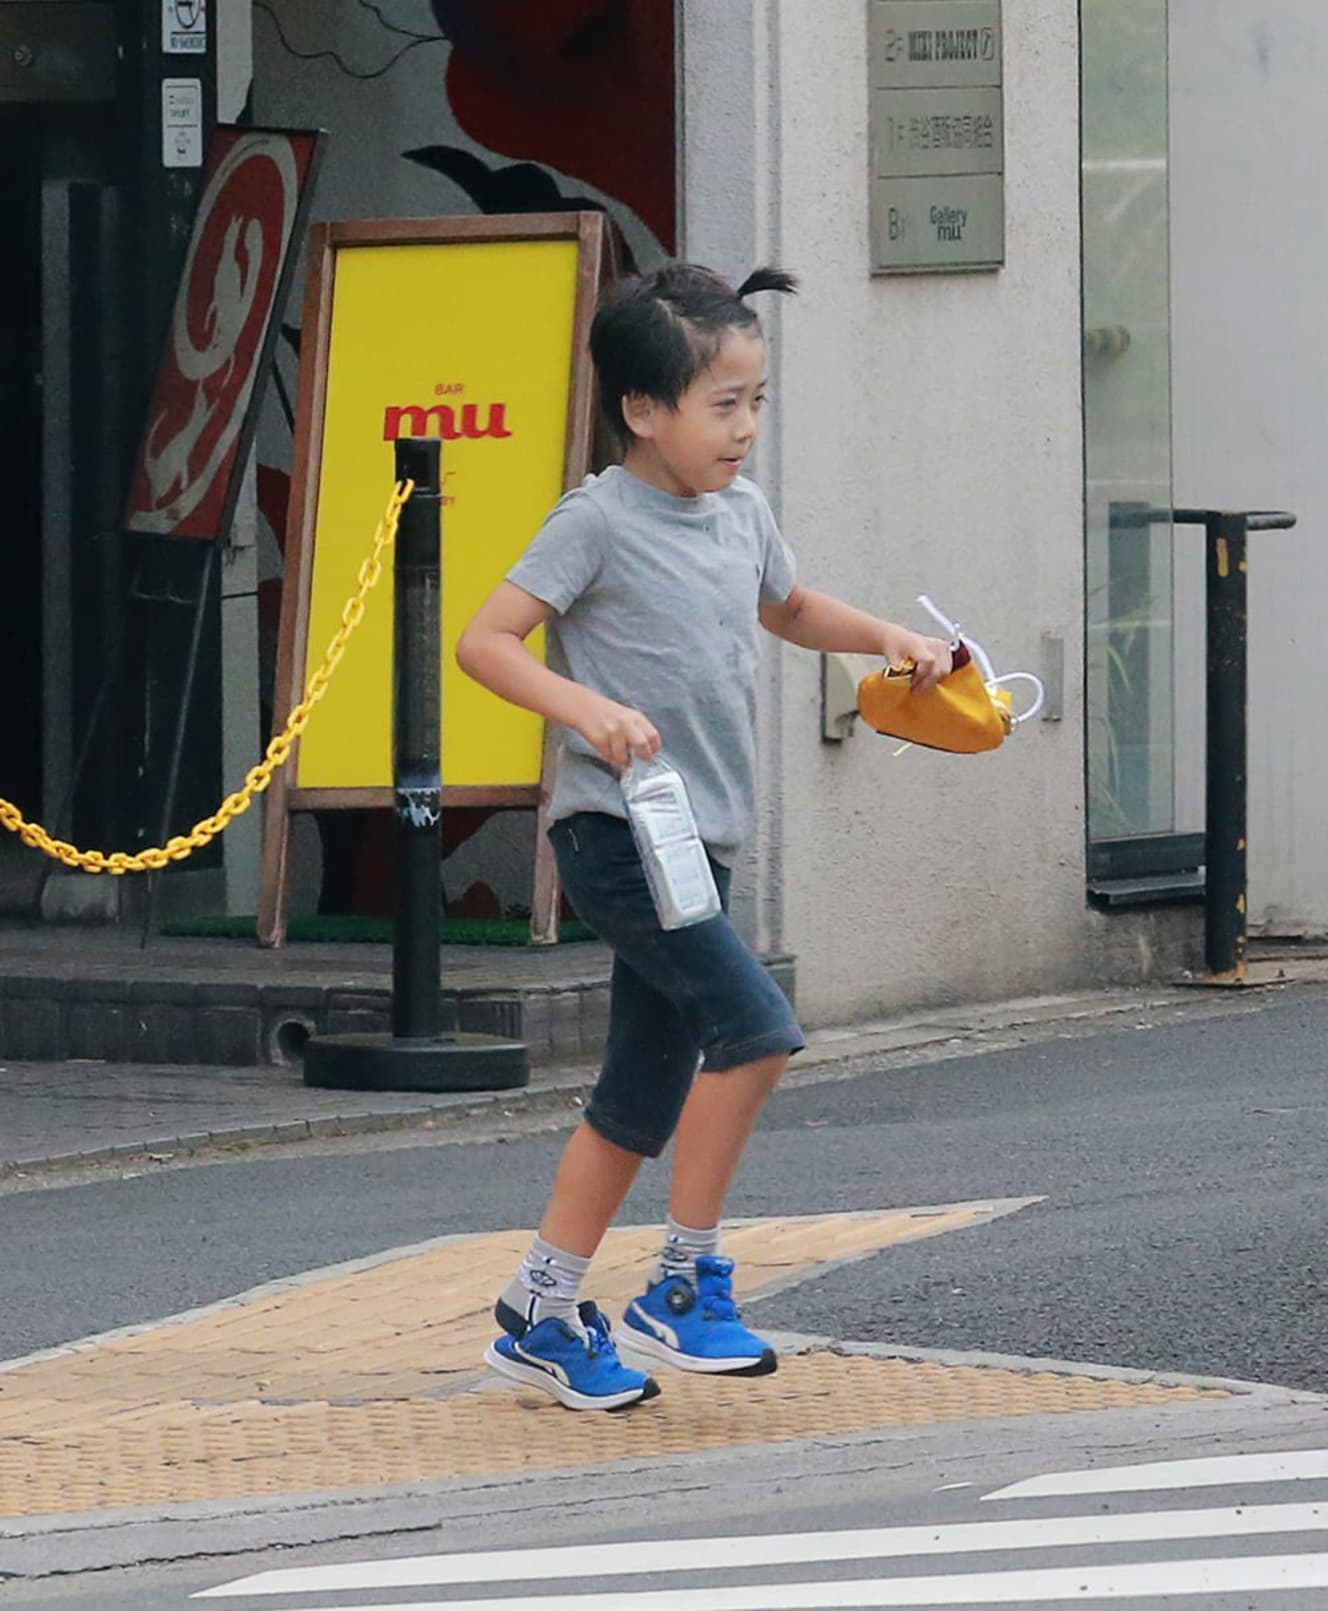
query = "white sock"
{"x": 682, "y": 1247}
{"x": 547, "y": 1285}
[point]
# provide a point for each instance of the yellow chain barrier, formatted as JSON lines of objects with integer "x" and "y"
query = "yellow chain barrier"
{"x": 258, "y": 777}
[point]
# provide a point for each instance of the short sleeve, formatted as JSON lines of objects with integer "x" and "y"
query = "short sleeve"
{"x": 779, "y": 570}
{"x": 565, "y": 555}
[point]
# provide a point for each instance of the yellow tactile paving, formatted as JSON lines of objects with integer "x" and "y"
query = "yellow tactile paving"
{"x": 359, "y": 1380}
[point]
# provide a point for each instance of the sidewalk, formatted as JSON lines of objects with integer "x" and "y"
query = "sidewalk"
{"x": 349, "y": 1403}
{"x": 368, "y": 1375}
{"x": 83, "y": 1113}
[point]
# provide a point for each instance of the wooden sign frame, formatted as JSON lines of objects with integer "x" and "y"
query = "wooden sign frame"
{"x": 598, "y": 259}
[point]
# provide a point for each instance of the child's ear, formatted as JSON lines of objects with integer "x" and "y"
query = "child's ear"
{"x": 639, "y": 415}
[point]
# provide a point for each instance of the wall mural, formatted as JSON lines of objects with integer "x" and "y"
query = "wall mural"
{"x": 446, "y": 107}
{"x": 585, "y": 87}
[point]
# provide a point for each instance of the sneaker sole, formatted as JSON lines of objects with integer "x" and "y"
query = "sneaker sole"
{"x": 632, "y": 1341}
{"x": 532, "y": 1376}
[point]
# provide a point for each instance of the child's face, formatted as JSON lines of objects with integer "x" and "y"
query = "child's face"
{"x": 700, "y": 445}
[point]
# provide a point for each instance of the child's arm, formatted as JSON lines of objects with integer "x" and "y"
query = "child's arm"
{"x": 493, "y": 651}
{"x": 818, "y": 621}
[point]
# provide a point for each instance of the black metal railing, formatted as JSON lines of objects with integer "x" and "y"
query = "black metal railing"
{"x": 1226, "y": 821}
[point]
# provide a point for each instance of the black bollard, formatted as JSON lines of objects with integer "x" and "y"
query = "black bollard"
{"x": 415, "y": 1056}
{"x": 417, "y": 742}
{"x": 1228, "y": 785}
{"x": 1226, "y": 900}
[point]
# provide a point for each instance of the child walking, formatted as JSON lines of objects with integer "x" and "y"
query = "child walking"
{"x": 654, "y": 579}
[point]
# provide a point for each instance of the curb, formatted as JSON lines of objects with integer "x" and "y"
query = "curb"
{"x": 212, "y": 1531}
{"x": 844, "y": 1053}
{"x": 1264, "y": 1393}
{"x": 456, "y": 1111}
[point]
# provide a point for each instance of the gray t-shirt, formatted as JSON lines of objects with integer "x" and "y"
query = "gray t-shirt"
{"x": 655, "y": 600}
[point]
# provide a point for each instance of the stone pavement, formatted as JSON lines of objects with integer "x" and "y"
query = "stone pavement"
{"x": 71, "y": 1115}
{"x": 368, "y": 1375}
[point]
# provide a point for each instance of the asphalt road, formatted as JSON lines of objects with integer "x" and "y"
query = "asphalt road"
{"x": 1182, "y": 1166}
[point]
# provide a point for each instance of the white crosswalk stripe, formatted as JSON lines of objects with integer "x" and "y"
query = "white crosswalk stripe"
{"x": 522, "y": 1578}
{"x": 789, "y": 1549}
{"x": 1296, "y": 1465}
{"x": 1225, "y": 1576}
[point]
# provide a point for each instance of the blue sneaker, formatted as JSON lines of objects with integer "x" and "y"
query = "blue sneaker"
{"x": 697, "y": 1327}
{"x": 582, "y": 1372}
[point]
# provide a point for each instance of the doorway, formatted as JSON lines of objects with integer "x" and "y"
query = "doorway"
{"x": 1144, "y": 599}
{"x": 21, "y": 462}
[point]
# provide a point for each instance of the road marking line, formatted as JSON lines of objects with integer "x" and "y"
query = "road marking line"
{"x": 1238, "y": 1575}
{"x": 790, "y": 1549}
{"x": 1296, "y": 1465}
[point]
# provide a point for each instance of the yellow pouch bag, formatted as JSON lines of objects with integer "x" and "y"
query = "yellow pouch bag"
{"x": 959, "y": 714}
{"x": 966, "y": 713}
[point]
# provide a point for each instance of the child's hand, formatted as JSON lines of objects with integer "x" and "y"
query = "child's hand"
{"x": 930, "y": 656}
{"x": 617, "y": 732}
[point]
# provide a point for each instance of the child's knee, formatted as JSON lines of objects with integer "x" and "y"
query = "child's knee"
{"x": 768, "y": 1070}
{"x": 643, "y": 1131}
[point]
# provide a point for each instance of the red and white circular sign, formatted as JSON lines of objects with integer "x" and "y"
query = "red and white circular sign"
{"x": 223, "y": 309}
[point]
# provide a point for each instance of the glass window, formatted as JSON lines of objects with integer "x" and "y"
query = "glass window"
{"x": 1127, "y": 419}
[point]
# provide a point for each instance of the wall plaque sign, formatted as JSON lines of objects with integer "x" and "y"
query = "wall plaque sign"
{"x": 936, "y": 108}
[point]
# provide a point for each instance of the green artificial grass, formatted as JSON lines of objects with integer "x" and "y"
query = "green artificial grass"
{"x": 371, "y": 930}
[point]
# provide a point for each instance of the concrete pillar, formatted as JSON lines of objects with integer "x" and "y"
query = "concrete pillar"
{"x": 730, "y": 181}
{"x": 240, "y": 728}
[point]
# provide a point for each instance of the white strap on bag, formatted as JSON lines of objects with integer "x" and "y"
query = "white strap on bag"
{"x": 989, "y": 674}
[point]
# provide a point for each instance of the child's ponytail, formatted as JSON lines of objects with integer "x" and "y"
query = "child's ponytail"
{"x": 654, "y": 333}
{"x": 768, "y": 279}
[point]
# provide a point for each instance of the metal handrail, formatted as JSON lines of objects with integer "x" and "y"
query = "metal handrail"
{"x": 1226, "y": 902}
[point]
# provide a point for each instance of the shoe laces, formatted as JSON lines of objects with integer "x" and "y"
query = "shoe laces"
{"x": 715, "y": 1289}
{"x": 599, "y": 1338}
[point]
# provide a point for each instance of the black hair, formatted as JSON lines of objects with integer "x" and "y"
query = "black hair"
{"x": 654, "y": 333}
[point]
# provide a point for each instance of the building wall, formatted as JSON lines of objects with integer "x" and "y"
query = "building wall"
{"x": 732, "y": 198}
{"x": 925, "y": 436}
{"x": 1249, "y": 124}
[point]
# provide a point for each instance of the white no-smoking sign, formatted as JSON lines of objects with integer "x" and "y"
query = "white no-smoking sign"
{"x": 183, "y": 27}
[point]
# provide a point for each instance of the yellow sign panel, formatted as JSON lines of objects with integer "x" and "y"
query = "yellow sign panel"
{"x": 472, "y": 342}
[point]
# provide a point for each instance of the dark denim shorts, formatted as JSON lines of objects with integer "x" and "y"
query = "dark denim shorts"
{"x": 681, "y": 998}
